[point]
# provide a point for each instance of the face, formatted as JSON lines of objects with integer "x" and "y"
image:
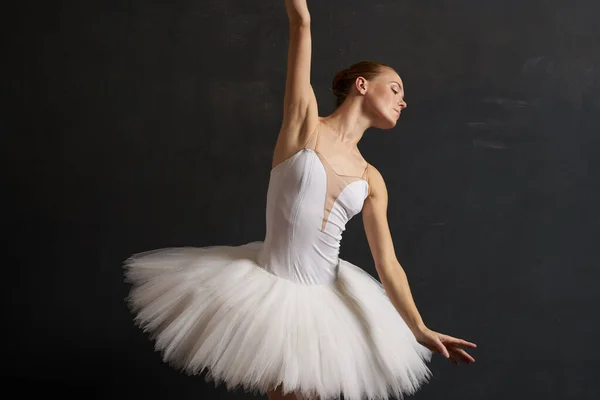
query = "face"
{"x": 384, "y": 98}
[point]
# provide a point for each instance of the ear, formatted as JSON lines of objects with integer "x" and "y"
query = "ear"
{"x": 361, "y": 85}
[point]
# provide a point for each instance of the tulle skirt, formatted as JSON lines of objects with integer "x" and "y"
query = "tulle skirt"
{"x": 215, "y": 310}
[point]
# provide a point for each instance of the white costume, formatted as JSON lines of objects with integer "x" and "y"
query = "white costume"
{"x": 286, "y": 311}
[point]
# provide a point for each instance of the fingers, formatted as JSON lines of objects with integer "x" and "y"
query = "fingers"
{"x": 460, "y": 354}
{"x": 442, "y": 349}
{"x": 453, "y": 340}
{"x": 449, "y": 347}
{"x": 468, "y": 344}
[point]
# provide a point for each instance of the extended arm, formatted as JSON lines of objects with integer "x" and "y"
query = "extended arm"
{"x": 393, "y": 276}
{"x": 391, "y": 273}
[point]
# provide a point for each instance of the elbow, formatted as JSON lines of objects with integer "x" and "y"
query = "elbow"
{"x": 389, "y": 268}
{"x": 297, "y": 11}
{"x": 300, "y": 20}
{"x": 305, "y": 20}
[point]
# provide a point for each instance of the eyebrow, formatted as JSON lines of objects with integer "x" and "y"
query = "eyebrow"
{"x": 398, "y": 83}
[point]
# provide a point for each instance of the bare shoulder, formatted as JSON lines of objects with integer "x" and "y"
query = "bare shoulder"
{"x": 377, "y": 186}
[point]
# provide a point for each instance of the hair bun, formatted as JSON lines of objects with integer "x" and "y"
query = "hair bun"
{"x": 343, "y": 81}
{"x": 338, "y": 78}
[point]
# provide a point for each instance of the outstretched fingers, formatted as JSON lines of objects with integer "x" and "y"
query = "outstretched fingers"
{"x": 453, "y": 346}
{"x": 457, "y": 342}
{"x": 459, "y": 354}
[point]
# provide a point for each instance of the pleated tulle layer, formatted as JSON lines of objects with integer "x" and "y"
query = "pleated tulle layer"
{"x": 215, "y": 309}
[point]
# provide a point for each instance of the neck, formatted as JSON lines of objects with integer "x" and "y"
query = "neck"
{"x": 349, "y": 122}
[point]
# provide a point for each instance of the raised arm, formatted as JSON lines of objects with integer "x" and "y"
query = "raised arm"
{"x": 300, "y": 105}
{"x": 393, "y": 276}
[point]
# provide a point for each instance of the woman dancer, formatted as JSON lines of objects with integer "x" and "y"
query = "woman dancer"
{"x": 287, "y": 316}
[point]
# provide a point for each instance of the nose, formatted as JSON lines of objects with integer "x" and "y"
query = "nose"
{"x": 402, "y": 104}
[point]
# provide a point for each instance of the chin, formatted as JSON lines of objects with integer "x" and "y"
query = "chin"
{"x": 386, "y": 123}
{"x": 385, "y": 120}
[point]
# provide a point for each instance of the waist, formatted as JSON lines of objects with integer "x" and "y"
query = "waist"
{"x": 301, "y": 264}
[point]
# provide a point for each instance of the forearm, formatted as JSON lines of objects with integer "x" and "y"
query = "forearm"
{"x": 395, "y": 283}
{"x": 297, "y": 11}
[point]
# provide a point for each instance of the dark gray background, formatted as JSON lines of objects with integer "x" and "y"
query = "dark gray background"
{"x": 133, "y": 125}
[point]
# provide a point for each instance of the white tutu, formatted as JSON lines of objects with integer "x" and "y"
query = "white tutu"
{"x": 216, "y": 309}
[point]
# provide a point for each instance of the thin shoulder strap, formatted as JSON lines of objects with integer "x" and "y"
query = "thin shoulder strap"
{"x": 364, "y": 174}
{"x": 311, "y": 143}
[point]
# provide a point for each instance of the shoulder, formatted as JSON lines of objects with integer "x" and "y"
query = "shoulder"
{"x": 377, "y": 186}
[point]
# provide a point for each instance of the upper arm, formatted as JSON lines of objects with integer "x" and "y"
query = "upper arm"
{"x": 300, "y": 104}
{"x": 376, "y": 223}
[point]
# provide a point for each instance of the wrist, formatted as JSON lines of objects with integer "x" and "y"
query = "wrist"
{"x": 417, "y": 327}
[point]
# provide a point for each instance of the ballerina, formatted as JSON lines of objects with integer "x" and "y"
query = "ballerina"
{"x": 286, "y": 316}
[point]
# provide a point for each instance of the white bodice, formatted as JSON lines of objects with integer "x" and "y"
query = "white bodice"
{"x": 308, "y": 206}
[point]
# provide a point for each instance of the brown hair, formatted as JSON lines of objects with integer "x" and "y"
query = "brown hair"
{"x": 344, "y": 79}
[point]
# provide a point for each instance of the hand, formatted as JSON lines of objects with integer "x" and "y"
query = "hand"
{"x": 446, "y": 345}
